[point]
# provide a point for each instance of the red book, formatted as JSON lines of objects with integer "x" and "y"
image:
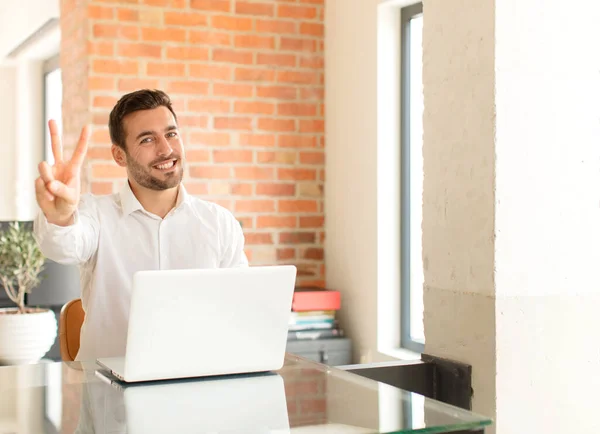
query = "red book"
{"x": 316, "y": 299}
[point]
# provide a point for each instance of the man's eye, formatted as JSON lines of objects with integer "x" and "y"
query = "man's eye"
{"x": 146, "y": 140}
{"x": 171, "y": 134}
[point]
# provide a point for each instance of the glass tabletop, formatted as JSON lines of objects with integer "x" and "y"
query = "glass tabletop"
{"x": 303, "y": 397}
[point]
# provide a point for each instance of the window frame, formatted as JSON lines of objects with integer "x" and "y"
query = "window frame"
{"x": 50, "y": 65}
{"x": 406, "y": 341}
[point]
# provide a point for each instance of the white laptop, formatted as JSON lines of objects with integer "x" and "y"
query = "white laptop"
{"x": 248, "y": 403}
{"x": 204, "y": 322}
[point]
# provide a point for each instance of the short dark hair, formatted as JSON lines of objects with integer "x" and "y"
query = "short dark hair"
{"x": 143, "y": 99}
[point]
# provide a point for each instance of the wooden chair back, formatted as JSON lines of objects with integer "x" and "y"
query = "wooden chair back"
{"x": 69, "y": 328}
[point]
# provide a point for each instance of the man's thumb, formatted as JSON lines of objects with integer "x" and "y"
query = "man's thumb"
{"x": 61, "y": 190}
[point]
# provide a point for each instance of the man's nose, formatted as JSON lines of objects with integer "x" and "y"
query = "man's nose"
{"x": 164, "y": 148}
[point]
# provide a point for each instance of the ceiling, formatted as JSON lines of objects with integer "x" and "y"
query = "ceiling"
{"x": 19, "y": 19}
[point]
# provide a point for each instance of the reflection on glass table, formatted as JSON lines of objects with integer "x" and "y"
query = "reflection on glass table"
{"x": 302, "y": 397}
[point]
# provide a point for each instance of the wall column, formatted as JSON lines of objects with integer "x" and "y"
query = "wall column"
{"x": 511, "y": 216}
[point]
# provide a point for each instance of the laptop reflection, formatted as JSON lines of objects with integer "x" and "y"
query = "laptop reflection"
{"x": 249, "y": 403}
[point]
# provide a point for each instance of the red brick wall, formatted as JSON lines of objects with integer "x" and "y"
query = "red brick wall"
{"x": 74, "y": 71}
{"x": 247, "y": 81}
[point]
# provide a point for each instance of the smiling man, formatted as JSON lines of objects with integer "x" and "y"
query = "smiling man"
{"x": 151, "y": 224}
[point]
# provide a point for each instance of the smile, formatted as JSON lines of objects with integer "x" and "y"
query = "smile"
{"x": 165, "y": 165}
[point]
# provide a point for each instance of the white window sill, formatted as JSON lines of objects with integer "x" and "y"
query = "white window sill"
{"x": 401, "y": 354}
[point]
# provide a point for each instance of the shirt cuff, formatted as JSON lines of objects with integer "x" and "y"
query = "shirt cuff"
{"x": 43, "y": 228}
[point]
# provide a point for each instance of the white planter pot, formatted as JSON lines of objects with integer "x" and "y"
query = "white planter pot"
{"x": 26, "y": 338}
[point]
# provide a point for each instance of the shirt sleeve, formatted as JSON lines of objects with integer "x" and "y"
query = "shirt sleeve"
{"x": 233, "y": 238}
{"x": 74, "y": 244}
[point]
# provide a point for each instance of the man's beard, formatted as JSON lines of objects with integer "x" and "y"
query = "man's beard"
{"x": 142, "y": 175}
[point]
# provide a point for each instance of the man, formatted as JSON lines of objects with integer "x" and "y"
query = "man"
{"x": 152, "y": 223}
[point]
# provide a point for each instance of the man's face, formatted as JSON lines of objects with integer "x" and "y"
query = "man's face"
{"x": 154, "y": 150}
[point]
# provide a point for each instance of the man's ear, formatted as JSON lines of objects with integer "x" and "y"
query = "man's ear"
{"x": 119, "y": 155}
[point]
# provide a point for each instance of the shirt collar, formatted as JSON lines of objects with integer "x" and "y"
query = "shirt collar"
{"x": 182, "y": 196}
{"x": 130, "y": 203}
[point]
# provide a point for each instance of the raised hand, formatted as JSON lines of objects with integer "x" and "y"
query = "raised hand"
{"x": 58, "y": 187}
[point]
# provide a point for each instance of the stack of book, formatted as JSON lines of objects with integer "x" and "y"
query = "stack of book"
{"x": 313, "y": 314}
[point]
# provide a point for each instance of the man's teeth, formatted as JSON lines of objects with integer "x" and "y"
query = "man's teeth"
{"x": 165, "y": 165}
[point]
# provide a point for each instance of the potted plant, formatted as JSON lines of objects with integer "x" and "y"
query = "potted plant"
{"x": 26, "y": 333}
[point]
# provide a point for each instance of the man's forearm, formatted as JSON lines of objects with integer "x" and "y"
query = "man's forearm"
{"x": 71, "y": 242}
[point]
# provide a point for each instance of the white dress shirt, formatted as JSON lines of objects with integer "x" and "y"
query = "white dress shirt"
{"x": 114, "y": 236}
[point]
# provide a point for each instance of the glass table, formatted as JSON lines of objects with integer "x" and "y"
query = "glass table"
{"x": 303, "y": 397}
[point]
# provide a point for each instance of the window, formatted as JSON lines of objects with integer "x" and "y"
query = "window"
{"x": 52, "y": 102}
{"x": 411, "y": 178}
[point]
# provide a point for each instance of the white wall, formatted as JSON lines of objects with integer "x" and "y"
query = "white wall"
{"x": 511, "y": 227}
{"x": 21, "y": 145}
{"x": 30, "y": 136}
{"x": 20, "y": 18}
{"x": 21, "y": 115}
{"x": 8, "y": 82}
{"x": 362, "y": 190}
{"x": 547, "y": 217}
